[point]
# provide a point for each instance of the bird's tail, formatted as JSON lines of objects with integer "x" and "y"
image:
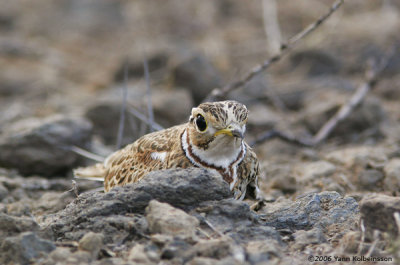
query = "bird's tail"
{"x": 96, "y": 172}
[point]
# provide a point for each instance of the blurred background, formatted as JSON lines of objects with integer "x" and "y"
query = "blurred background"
{"x": 67, "y": 58}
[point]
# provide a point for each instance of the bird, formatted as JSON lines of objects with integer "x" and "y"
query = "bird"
{"x": 213, "y": 138}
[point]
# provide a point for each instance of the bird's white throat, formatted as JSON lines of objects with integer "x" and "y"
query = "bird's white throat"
{"x": 221, "y": 152}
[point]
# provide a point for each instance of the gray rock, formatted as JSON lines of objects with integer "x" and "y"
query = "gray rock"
{"x": 235, "y": 219}
{"x": 198, "y": 75}
{"x": 392, "y": 175}
{"x": 312, "y": 210}
{"x": 263, "y": 251}
{"x": 139, "y": 255}
{"x": 10, "y": 225}
{"x": 216, "y": 248}
{"x": 182, "y": 188}
{"x": 358, "y": 157}
{"x": 226, "y": 215}
{"x": 3, "y": 192}
{"x": 202, "y": 261}
{"x": 43, "y": 147}
{"x": 313, "y": 170}
{"x": 165, "y": 219}
{"x": 311, "y": 237}
{"x": 92, "y": 243}
{"x": 377, "y": 212}
{"x": 369, "y": 179}
{"x": 51, "y": 202}
{"x": 23, "y": 248}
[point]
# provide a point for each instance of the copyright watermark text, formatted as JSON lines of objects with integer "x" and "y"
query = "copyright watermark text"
{"x": 327, "y": 258}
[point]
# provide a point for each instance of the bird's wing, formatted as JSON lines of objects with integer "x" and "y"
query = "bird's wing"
{"x": 150, "y": 152}
{"x": 247, "y": 172}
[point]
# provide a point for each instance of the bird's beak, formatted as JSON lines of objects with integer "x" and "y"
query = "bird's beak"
{"x": 231, "y": 132}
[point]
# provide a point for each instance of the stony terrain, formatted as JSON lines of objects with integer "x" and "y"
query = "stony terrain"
{"x": 61, "y": 83}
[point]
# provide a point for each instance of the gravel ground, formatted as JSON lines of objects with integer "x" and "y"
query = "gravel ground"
{"x": 61, "y": 89}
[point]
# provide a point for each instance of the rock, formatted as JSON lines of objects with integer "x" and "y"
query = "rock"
{"x": 315, "y": 62}
{"x": 51, "y": 202}
{"x": 312, "y": 210}
{"x": 226, "y": 215}
{"x": 23, "y": 248}
{"x": 281, "y": 177}
{"x": 216, "y": 248}
{"x": 181, "y": 188}
{"x": 172, "y": 107}
{"x": 392, "y": 175}
{"x": 165, "y": 219}
{"x": 92, "y": 243}
{"x": 358, "y": 157}
{"x": 370, "y": 179}
{"x": 21, "y": 207}
{"x": 43, "y": 147}
{"x": 138, "y": 255}
{"x": 105, "y": 118}
{"x": 177, "y": 251}
{"x": 3, "y": 192}
{"x": 202, "y": 261}
{"x": 377, "y": 212}
{"x": 351, "y": 242}
{"x": 10, "y": 225}
{"x": 262, "y": 251}
{"x": 198, "y": 76}
{"x": 63, "y": 256}
{"x": 311, "y": 237}
{"x": 313, "y": 170}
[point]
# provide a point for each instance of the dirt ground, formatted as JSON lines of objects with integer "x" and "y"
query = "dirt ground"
{"x": 62, "y": 66}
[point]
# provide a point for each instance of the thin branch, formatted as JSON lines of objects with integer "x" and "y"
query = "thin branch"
{"x": 150, "y": 112}
{"x": 371, "y": 79}
{"x": 272, "y": 134}
{"x": 219, "y": 94}
{"x": 87, "y": 154}
{"x": 143, "y": 118}
{"x": 123, "y": 108}
{"x": 372, "y": 75}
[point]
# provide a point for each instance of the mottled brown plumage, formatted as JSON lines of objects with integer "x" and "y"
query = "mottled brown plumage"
{"x": 213, "y": 138}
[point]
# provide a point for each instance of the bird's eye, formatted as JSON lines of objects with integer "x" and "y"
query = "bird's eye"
{"x": 201, "y": 123}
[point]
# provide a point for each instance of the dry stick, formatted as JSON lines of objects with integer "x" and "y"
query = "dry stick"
{"x": 283, "y": 136}
{"x": 371, "y": 79}
{"x": 372, "y": 75}
{"x": 150, "y": 112}
{"x": 143, "y": 118}
{"x": 219, "y": 94}
{"x": 120, "y": 134}
{"x": 85, "y": 153}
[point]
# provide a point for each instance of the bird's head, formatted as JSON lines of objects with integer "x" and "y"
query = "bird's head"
{"x": 224, "y": 121}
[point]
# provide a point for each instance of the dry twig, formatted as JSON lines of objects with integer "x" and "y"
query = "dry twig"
{"x": 85, "y": 153}
{"x": 220, "y": 94}
{"x": 150, "y": 112}
{"x": 123, "y": 108}
{"x": 371, "y": 76}
{"x": 143, "y": 118}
